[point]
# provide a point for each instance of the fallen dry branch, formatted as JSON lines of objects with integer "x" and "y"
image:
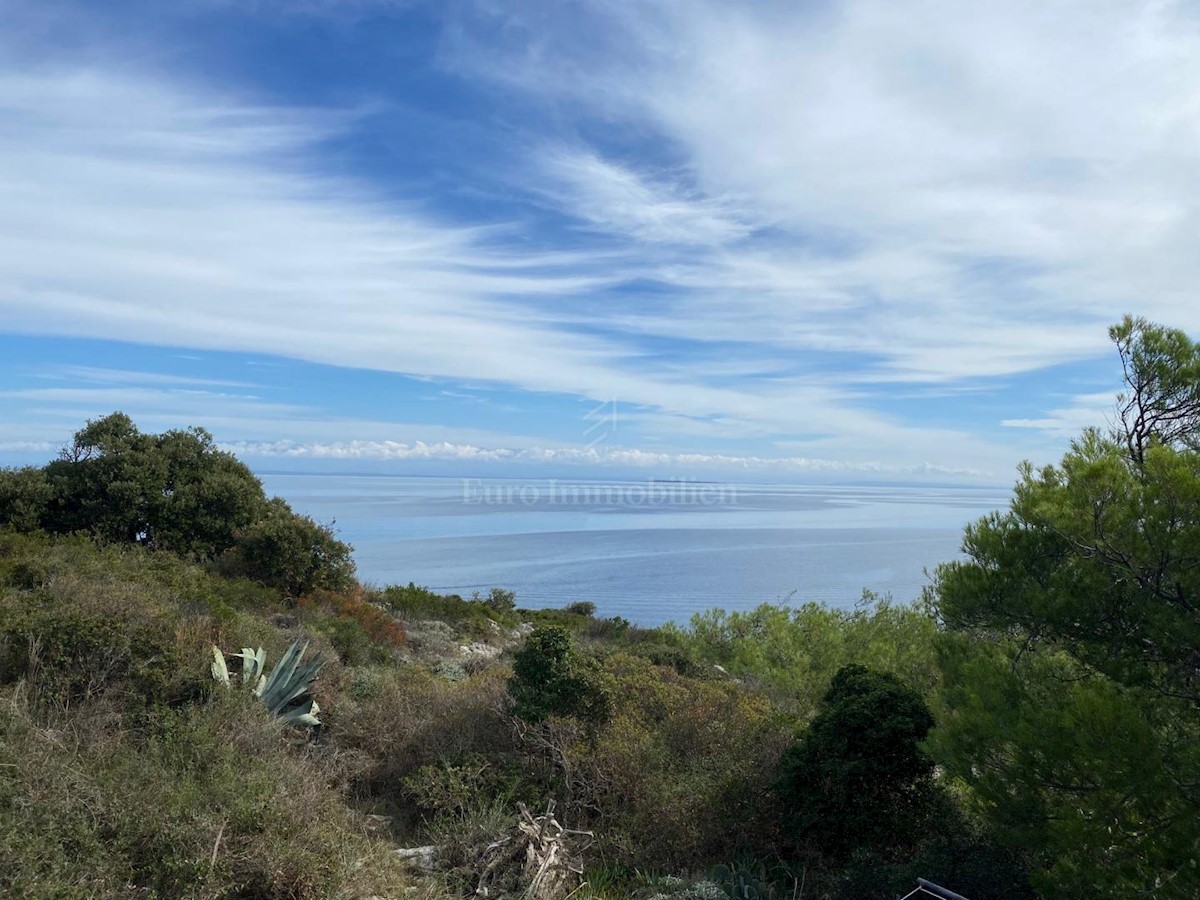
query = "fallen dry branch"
{"x": 542, "y": 856}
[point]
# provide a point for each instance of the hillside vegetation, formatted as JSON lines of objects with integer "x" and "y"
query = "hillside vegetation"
{"x": 1029, "y": 728}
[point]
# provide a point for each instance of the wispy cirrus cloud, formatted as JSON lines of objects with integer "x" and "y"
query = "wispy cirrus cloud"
{"x": 749, "y": 222}
{"x": 647, "y": 207}
{"x": 105, "y": 375}
{"x": 187, "y": 219}
{"x": 1068, "y": 420}
{"x": 955, "y": 191}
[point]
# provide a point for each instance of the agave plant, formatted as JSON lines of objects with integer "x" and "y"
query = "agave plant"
{"x": 286, "y": 691}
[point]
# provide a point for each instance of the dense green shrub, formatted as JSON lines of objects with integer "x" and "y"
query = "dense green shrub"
{"x": 551, "y": 678}
{"x": 173, "y": 491}
{"x": 857, "y": 777}
{"x": 25, "y": 497}
{"x": 956, "y": 852}
{"x": 501, "y": 600}
{"x": 290, "y": 552}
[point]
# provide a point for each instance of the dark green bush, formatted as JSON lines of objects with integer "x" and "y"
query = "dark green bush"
{"x": 550, "y": 678}
{"x": 290, "y": 552}
{"x": 955, "y": 852}
{"x": 25, "y": 497}
{"x": 857, "y": 777}
{"x": 173, "y": 492}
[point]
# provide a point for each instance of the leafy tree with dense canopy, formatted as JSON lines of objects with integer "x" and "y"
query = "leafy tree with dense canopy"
{"x": 176, "y": 492}
{"x": 1072, "y": 662}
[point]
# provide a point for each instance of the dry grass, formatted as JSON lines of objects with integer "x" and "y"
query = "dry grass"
{"x": 212, "y": 802}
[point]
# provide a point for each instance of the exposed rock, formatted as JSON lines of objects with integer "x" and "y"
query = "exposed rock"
{"x": 421, "y": 857}
{"x": 480, "y": 650}
{"x": 521, "y": 632}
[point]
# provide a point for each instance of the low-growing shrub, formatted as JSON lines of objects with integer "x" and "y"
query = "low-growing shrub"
{"x": 581, "y": 608}
{"x": 361, "y": 631}
{"x": 794, "y": 652}
{"x": 212, "y": 803}
{"x": 475, "y": 617}
{"x": 501, "y": 600}
{"x": 405, "y": 719}
{"x": 460, "y": 787}
{"x": 69, "y": 652}
{"x": 683, "y": 772}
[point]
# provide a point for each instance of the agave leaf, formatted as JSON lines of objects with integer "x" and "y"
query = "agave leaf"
{"x": 301, "y": 682}
{"x": 286, "y": 690}
{"x": 279, "y": 681}
{"x": 288, "y": 680}
{"x": 252, "y": 664}
{"x": 303, "y": 714}
{"x": 220, "y": 672}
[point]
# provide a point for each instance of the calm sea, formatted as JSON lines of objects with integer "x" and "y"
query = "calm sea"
{"x": 648, "y": 551}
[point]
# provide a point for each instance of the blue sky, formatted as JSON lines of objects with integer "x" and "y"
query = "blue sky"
{"x": 827, "y": 240}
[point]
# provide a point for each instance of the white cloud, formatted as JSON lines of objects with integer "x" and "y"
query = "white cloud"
{"x": 931, "y": 193}
{"x": 258, "y": 429}
{"x": 104, "y": 375}
{"x": 183, "y": 405}
{"x": 133, "y": 210}
{"x": 581, "y": 456}
{"x": 138, "y": 211}
{"x": 956, "y": 189}
{"x": 1083, "y": 411}
{"x": 617, "y": 199}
